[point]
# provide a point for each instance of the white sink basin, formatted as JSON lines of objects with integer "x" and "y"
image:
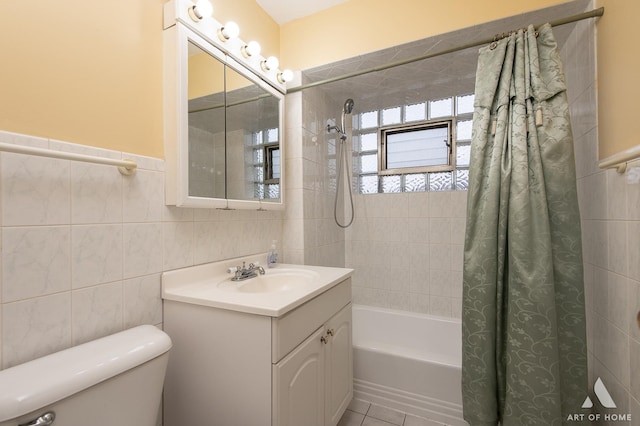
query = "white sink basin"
{"x": 275, "y": 280}
{"x": 275, "y": 293}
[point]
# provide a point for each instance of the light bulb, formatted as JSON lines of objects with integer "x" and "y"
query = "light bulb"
{"x": 230, "y": 30}
{"x": 270, "y": 63}
{"x": 251, "y": 49}
{"x": 285, "y": 76}
{"x": 202, "y": 9}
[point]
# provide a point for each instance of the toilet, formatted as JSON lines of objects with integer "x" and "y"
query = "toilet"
{"x": 115, "y": 380}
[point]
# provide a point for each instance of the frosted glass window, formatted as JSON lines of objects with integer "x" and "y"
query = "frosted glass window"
{"x": 465, "y": 104}
{"x": 369, "y": 142}
{"x": 462, "y": 180}
{"x": 369, "y": 184}
{"x": 273, "y": 191}
{"x": 415, "y": 183}
{"x": 272, "y": 135}
{"x": 369, "y": 120}
{"x": 391, "y": 184}
{"x": 415, "y": 112}
{"x": 257, "y": 156}
{"x": 258, "y": 174}
{"x": 440, "y": 181}
{"x": 463, "y": 155}
{"x": 441, "y": 108}
{"x": 275, "y": 164}
{"x": 257, "y": 138}
{"x": 259, "y": 191}
{"x": 417, "y": 148}
{"x": 464, "y": 129}
{"x": 369, "y": 163}
{"x": 391, "y": 116}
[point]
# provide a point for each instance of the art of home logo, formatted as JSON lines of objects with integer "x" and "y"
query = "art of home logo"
{"x": 604, "y": 397}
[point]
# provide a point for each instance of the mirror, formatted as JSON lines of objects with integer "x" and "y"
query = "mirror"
{"x": 206, "y": 121}
{"x": 253, "y": 162}
{"x": 227, "y": 130}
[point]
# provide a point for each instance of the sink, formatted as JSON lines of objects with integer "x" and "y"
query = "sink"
{"x": 272, "y": 281}
{"x": 281, "y": 289}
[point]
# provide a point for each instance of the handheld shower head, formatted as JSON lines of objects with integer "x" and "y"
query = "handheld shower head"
{"x": 346, "y": 109}
{"x": 348, "y": 106}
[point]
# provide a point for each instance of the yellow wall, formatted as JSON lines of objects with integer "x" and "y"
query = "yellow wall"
{"x": 206, "y": 75}
{"x": 88, "y": 72}
{"x": 91, "y": 72}
{"x": 361, "y": 26}
{"x": 618, "y": 70}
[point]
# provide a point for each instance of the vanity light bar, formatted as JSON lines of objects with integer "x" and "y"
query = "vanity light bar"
{"x": 225, "y": 38}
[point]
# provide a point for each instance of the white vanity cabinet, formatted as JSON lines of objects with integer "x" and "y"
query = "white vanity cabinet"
{"x": 314, "y": 383}
{"x": 232, "y": 368}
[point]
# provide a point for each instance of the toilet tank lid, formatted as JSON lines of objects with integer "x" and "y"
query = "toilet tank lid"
{"x": 43, "y": 381}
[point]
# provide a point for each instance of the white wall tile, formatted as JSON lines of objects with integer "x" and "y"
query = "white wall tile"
{"x": 440, "y": 230}
{"x": 633, "y": 309}
{"x": 440, "y": 204}
{"x": 617, "y": 298}
{"x": 115, "y": 227}
{"x": 97, "y": 254}
{"x": 618, "y": 247}
{"x": 142, "y": 301}
{"x": 178, "y": 245}
{"x": 96, "y": 312}
{"x": 35, "y": 190}
{"x": 142, "y": 249}
{"x": 633, "y": 245}
{"x": 143, "y": 197}
{"x": 36, "y": 261}
{"x": 35, "y": 327}
{"x": 617, "y": 195}
{"x": 96, "y": 194}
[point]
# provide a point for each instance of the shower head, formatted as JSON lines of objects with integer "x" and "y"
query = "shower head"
{"x": 348, "y": 106}
{"x": 346, "y": 109}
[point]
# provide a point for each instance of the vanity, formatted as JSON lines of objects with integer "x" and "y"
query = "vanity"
{"x": 270, "y": 350}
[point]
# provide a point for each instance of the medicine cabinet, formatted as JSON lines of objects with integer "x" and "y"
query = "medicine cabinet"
{"x": 223, "y": 126}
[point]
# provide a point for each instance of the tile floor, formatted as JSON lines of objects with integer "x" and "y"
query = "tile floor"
{"x": 363, "y": 413}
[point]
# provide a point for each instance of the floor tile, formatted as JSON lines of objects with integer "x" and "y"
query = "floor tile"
{"x": 351, "y": 418}
{"x": 359, "y": 406}
{"x": 419, "y": 421}
{"x": 387, "y": 414}
{"x": 372, "y": 421}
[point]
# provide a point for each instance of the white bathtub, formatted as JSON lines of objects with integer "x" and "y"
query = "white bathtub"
{"x": 408, "y": 361}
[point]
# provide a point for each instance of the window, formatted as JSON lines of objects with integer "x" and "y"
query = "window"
{"x": 414, "y": 156}
{"x": 419, "y": 147}
{"x": 266, "y": 164}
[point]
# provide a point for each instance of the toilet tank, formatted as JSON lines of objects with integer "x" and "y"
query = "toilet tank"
{"x": 115, "y": 380}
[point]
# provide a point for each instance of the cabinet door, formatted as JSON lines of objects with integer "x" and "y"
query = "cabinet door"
{"x": 298, "y": 384}
{"x": 339, "y": 366}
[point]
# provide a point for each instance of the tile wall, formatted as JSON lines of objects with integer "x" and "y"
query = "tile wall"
{"x": 311, "y": 236}
{"x": 610, "y": 210}
{"x": 407, "y": 251}
{"x": 83, "y": 247}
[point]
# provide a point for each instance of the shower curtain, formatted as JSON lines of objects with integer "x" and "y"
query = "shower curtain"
{"x": 524, "y": 339}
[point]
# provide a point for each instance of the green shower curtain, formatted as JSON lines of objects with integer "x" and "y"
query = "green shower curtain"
{"x": 523, "y": 324}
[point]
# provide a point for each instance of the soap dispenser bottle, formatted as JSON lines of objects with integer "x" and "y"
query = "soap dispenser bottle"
{"x": 272, "y": 256}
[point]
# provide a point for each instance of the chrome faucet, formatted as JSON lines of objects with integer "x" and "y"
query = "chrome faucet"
{"x": 243, "y": 273}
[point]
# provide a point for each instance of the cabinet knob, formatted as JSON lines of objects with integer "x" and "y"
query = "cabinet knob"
{"x": 324, "y": 340}
{"x": 330, "y": 332}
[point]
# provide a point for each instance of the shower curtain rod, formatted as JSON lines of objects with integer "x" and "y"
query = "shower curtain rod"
{"x": 586, "y": 15}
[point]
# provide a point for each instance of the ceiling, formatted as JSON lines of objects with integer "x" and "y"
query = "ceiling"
{"x": 283, "y": 11}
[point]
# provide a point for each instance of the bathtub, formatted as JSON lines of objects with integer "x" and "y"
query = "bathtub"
{"x": 408, "y": 361}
